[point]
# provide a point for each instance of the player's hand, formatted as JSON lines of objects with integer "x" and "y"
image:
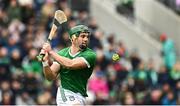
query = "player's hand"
{"x": 47, "y": 47}
{"x": 45, "y": 58}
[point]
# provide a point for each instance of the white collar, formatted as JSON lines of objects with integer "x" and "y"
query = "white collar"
{"x": 72, "y": 54}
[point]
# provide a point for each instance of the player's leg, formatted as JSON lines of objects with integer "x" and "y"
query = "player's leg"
{"x": 69, "y": 98}
{"x": 59, "y": 99}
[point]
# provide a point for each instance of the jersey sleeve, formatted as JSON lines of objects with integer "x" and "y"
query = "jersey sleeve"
{"x": 89, "y": 58}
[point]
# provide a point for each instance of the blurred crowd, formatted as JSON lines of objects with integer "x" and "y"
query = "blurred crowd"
{"x": 24, "y": 27}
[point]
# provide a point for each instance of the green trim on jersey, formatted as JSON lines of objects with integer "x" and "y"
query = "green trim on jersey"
{"x": 76, "y": 80}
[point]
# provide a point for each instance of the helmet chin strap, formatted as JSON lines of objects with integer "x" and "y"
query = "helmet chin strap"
{"x": 82, "y": 47}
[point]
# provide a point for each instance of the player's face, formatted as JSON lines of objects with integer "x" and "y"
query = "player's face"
{"x": 83, "y": 40}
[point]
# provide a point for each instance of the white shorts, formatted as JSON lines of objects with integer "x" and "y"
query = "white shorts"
{"x": 69, "y": 98}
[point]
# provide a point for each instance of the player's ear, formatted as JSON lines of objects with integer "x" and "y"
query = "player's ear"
{"x": 73, "y": 37}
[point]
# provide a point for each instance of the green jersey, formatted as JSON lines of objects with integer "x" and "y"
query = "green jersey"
{"x": 76, "y": 80}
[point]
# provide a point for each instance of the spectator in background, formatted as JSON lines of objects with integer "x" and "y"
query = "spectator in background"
{"x": 15, "y": 61}
{"x": 16, "y": 86}
{"x": 40, "y": 36}
{"x": 110, "y": 49}
{"x": 175, "y": 74}
{"x": 63, "y": 40}
{"x": 128, "y": 99}
{"x": 177, "y": 91}
{"x": 154, "y": 97}
{"x": 82, "y": 17}
{"x": 4, "y": 64}
{"x": 112, "y": 78}
{"x": 168, "y": 51}
{"x": 31, "y": 85}
{"x": 163, "y": 76}
{"x": 7, "y": 97}
{"x": 27, "y": 8}
{"x": 44, "y": 98}
{"x": 96, "y": 39}
{"x": 4, "y": 20}
{"x": 169, "y": 99}
{"x": 141, "y": 77}
{"x": 47, "y": 10}
{"x": 99, "y": 100}
{"x": 101, "y": 60}
{"x": 27, "y": 43}
{"x": 30, "y": 63}
{"x": 98, "y": 84}
{"x": 4, "y": 36}
{"x": 152, "y": 74}
{"x": 178, "y": 101}
{"x": 4, "y": 59}
{"x": 24, "y": 99}
{"x": 14, "y": 10}
{"x": 135, "y": 59}
{"x": 92, "y": 24}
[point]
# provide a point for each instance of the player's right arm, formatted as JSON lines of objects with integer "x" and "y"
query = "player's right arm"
{"x": 50, "y": 71}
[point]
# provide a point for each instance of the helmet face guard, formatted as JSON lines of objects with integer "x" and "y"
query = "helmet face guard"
{"x": 77, "y": 30}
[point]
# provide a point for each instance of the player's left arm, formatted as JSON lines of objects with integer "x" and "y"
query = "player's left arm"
{"x": 76, "y": 63}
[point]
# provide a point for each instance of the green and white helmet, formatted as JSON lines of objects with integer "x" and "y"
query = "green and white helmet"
{"x": 77, "y": 30}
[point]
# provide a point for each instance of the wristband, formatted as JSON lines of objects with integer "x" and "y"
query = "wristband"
{"x": 45, "y": 63}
